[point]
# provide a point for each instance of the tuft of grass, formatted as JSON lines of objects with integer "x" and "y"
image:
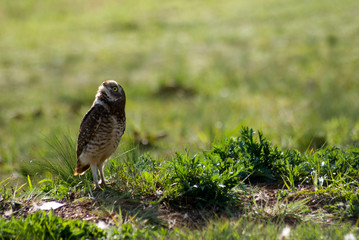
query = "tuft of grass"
{"x": 9, "y": 194}
{"x": 64, "y": 161}
{"x": 60, "y": 163}
{"x": 5, "y": 193}
{"x": 57, "y": 168}
{"x": 283, "y": 211}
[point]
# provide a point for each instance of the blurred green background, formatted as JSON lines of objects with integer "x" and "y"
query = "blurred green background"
{"x": 194, "y": 72}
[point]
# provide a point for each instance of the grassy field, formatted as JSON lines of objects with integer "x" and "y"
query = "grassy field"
{"x": 195, "y": 73}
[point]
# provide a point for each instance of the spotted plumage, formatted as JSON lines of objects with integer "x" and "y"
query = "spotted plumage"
{"x": 101, "y": 129}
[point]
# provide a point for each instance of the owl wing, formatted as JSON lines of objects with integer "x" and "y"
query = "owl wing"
{"x": 89, "y": 126}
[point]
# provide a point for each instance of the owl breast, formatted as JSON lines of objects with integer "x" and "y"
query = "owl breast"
{"x": 105, "y": 141}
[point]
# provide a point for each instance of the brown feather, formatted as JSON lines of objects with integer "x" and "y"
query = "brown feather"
{"x": 88, "y": 127}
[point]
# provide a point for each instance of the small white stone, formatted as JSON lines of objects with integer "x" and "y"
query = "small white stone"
{"x": 349, "y": 236}
{"x": 102, "y": 225}
{"x": 285, "y": 233}
{"x": 51, "y": 205}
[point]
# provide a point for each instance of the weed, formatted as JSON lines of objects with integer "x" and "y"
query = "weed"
{"x": 199, "y": 180}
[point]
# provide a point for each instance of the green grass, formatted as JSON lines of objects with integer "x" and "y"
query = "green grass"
{"x": 43, "y": 225}
{"x": 194, "y": 74}
{"x": 278, "y": 70}
{"x": 221, "y": 186}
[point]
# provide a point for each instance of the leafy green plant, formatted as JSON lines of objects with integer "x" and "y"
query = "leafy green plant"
{"x": 333, "y": 163}
{"x": 259, "y": 158}
{"x": 42, "y": 225}
{"x": 353, "y": 208}
{"x": 208, "y": 178}
{"x": 255, "y": 154}
{"x": 199, "y": 180}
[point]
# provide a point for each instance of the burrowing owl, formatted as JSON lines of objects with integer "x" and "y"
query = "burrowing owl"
{"x": 101, "y": 129}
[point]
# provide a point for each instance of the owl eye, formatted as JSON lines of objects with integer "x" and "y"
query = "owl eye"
{"x": 114, "y": 89}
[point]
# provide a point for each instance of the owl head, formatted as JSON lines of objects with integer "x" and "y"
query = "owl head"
{"x": 110, "y": 91}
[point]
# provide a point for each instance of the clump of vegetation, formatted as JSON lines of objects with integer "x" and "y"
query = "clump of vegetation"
{"x": 197, "y": 181}
{"x": 209, "y": 178}
{"x": 255, "y": 155}
{"x": 42, "y": 225}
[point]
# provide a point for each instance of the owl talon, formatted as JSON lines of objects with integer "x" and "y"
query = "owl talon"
{"x": 98, "y": 186}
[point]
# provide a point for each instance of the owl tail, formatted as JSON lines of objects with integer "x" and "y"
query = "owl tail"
{"x": 80, "y": 168}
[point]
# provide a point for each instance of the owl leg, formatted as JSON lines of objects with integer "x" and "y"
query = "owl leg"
{"x": 101, "y": 175}
{"x": 94, "y": 175}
